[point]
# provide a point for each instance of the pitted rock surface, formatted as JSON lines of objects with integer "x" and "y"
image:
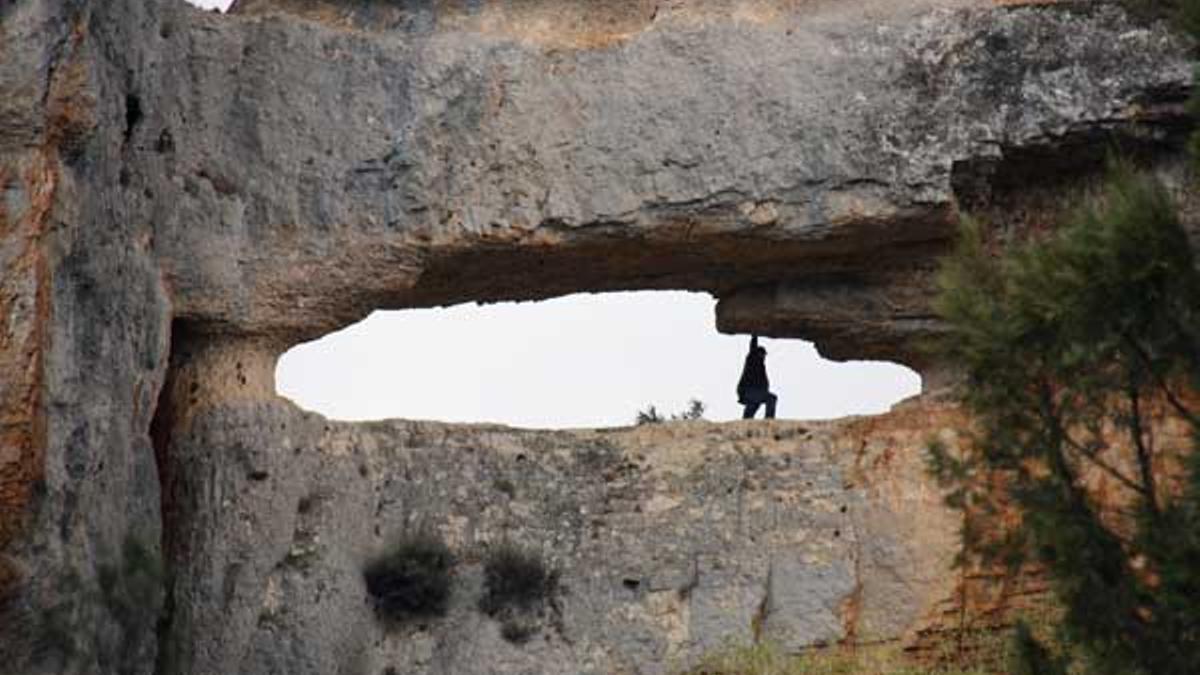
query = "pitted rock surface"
{"x": 670, "y": 540}
{"x": 450, "y": 159}
{"x": 185, "y": 194}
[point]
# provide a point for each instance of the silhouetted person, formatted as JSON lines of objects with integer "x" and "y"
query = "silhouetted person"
{"x": 753, "y": 388}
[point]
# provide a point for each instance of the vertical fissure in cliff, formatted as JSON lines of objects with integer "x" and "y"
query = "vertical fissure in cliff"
{"x": 167, "y": 414}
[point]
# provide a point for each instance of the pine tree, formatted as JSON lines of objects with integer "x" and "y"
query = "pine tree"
{"x": 1080, "y": 351}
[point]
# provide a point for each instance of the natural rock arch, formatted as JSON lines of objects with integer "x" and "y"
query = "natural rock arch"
{"x": 585, "y": 360}
{"x": 186, "y": 194}
{"x": 485, "y": 165}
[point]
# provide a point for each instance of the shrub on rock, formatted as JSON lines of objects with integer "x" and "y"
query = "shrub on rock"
{"x": 412, "y": 580}
{"x": 515, "y": 579}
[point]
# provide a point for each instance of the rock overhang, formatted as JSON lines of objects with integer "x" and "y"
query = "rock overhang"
{"x": 803, "y": 164}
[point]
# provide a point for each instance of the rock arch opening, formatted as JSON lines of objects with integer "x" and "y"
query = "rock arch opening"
{"x": 585, "y": 360}
{"x": 220, "y": 5}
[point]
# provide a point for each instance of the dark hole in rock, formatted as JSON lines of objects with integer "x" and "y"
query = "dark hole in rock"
{"x": 837, "y": 533}
{"x": 165, "y": 142}
{"x": 133, "y": 114}
{"x": 259, "y": 475}
{"x": 631, "y": 584}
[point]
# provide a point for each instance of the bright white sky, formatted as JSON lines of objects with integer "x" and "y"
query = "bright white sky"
{"x": 585, "y": 360}
{"x": 210, "y": 4}
{"x": 580, "y": 361}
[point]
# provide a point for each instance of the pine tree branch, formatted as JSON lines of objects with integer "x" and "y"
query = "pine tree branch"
{"x": 1144, "y": 458}
{"x": 1058, "y": 436}
{"x": 1052, "y": 418}
{"x": 1101, "y": 464}
{"x": 1172, "y": 399}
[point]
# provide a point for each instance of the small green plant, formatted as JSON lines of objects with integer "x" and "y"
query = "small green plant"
{"x": 412, "y": 581}
{"x": 517, "y": 587}
{"x": 694, "y": 411}
{"x": 515, "y": 579}
{"x": 651, "y": 415}
{"x": 518, "y": 631}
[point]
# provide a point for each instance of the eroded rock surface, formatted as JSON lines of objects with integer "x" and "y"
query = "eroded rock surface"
{"x": 184, "y": 194}
{"x": 670, "y": 540}
{"x": 462, "y": 154}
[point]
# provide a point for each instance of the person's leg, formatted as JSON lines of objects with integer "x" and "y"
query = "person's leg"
{"x": 771, "y": 399}
{"x": 752, "y": 399}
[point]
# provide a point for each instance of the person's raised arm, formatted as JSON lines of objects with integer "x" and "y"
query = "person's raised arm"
{"x": 753, "y": 342}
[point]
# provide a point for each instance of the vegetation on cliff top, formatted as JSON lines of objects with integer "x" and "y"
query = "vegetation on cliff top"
{"x": 651, "y": 415}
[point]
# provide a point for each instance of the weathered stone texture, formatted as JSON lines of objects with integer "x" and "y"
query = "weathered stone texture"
{"x": 707, "y": 150}
{"x": 82, "y": 349}
{"x": 671, "y": 540}
{"x": 183, "y": 195}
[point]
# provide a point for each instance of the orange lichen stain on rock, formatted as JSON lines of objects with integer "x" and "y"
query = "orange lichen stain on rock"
{"x": 71, "y": 104}
{"x": 24, "y": 290}
{"x": 896, "y": 440}
{"x": 568, "y": 24}
{"x": 547, "y": 24}
{"x": 4, "y": 185}
{"x": 24, "y": 301}
{"x": 25, "y": 304}
{"x": 850, "y": 612}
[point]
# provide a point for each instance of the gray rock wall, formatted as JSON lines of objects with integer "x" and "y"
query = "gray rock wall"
{"x": 671, "y": 541}
{"x": 183, "y": 195}
{"x": 304, "y": 173}
{"x": 83, "y": 351}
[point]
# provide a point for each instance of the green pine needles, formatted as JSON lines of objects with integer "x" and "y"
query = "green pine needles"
{"x": 1082, "y": 356}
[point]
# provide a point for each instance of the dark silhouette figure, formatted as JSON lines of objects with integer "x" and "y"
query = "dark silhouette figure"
{"x": 753, "y": 388}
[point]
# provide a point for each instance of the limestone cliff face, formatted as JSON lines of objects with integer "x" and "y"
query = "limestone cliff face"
{"x": 184, "y": 194}
{"x": 670, "y": 540}
{"x": 462, "y": 154}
